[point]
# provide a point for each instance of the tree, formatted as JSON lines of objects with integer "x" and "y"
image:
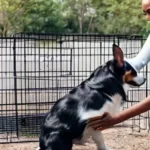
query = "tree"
{"x": 82, "y": 11}
{"x": 45, "y": 16}
{"x": 75, "y": 16}
{"x": 11, "y": 11}
{"x": 30, "y": 16}
{"x": 121, "y": 17}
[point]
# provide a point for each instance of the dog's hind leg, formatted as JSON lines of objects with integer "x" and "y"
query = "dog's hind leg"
{"x": 56, "y": 142}
{"x": 98, "y": 139}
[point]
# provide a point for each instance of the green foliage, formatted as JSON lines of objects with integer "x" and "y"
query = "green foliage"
{"x": 122, "y": 17}
{"x": 84, "y": 16}
{"x": 43, "y": 16}
{"x": 10, "y": 11}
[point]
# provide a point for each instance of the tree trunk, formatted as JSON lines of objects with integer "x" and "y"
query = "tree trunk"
{"x": 90, "y": 23}
{"x": 80, "y": 25}
{"x": 81, "y": 18}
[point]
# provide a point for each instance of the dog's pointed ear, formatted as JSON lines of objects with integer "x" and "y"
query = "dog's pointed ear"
{"x": 118, "y": 55}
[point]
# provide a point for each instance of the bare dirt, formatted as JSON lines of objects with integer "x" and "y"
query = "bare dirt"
{"x": 115, "y": 139}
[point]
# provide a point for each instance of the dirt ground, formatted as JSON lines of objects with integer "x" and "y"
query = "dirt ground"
{"x": 115, "y": 139}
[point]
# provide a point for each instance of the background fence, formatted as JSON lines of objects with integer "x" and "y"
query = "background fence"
{"x": 38, "y": 69}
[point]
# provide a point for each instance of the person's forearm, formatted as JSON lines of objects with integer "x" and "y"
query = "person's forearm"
{"x": 134, "y": 110}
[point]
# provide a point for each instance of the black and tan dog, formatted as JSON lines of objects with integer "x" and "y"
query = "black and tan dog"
{"x": 104, "y": 91}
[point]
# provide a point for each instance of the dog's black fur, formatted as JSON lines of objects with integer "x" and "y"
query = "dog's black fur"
{"x": 63, "y": 123}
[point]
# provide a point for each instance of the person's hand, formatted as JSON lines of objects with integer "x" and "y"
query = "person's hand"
{"x": 102, "y": 122}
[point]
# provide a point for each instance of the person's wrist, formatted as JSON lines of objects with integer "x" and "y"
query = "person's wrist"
{"x": 117, "y": 119}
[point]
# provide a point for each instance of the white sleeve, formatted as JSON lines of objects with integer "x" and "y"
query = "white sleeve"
{"x": 143, "y": 56}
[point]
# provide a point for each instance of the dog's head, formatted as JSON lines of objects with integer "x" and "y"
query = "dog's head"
{"x": 124, "y": 70}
